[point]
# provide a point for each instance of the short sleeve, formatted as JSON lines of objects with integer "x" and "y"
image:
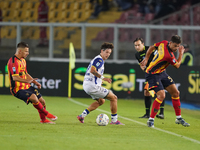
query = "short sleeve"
{"x": 97, "y": 63}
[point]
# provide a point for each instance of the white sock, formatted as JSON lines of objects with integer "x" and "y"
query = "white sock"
{"x": 178, "y": 117}
{"x": 85, "y": 113}
{"x": 114, "y": 117}
{"x": 151, "y": 118}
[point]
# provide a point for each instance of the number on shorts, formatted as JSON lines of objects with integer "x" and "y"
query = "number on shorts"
{"x": 171, "y": 80}
{"x": 36, "y": 92}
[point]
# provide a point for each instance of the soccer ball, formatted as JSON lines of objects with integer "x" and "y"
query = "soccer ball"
{"x": 102, "y": 120}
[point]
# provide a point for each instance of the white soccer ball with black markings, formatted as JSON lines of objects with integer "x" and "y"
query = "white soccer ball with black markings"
{"x": 102, "y": 120}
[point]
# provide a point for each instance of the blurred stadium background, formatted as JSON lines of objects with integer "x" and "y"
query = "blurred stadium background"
{"x": 69, "y": 21}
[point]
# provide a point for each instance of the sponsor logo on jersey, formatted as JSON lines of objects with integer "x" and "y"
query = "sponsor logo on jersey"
{"x": 13, "y": 69}
{"x": 98, "y": 64}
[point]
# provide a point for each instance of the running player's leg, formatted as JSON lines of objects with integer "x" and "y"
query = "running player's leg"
{"x": 155, "y": 84}
{"x": 161, "y": 114}
{"x": 176, "y": 104}
{"x": 113, "y": 107}
{"x": 38, "y": 105}
{"x": 173, "y": 91}
{"x": 43, "y": 115}
{"x": 92, "y": 107}
{"x": 96, "y": 104}
{"x": 97, "y": 93}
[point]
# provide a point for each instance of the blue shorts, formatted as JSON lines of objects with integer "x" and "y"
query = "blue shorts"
{"x": 158, "y": 81}
{"x": 25, "y": 94}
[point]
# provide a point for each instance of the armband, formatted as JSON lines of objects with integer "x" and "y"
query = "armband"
{"x": 102, "y": 77}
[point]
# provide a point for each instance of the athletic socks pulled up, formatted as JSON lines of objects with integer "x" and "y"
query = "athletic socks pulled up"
{"x": 40, "y": 108}
{"x": 85, "y": 113}
{"x": 155, "y": 107}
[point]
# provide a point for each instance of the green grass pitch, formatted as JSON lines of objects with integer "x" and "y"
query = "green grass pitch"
{"x": 20, "y": 127}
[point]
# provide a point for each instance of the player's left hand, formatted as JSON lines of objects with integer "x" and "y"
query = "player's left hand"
{"x": 38, "y": 85}
{"x": 108, "y": 80}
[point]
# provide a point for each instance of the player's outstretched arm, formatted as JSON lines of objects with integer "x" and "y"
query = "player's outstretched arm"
{"x": 145, "y": 60}
{"x": 19, "y": 79}
{"x": 34, "y": 80}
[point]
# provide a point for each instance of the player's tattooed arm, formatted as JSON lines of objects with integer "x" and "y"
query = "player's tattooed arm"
{"x": 94, "y": 72}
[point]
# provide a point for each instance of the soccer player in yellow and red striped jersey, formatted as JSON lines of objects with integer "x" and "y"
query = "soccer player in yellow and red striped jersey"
{"x": 159, "y": 80}
{"x": 140, "y": 55}
{"x": 20, "y": 83}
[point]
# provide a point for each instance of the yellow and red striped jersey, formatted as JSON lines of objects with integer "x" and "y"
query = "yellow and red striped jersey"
{"x": 162, "y": 58}
{"x": 17, "y": 67}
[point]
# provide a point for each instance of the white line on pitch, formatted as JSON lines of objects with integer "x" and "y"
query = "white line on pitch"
{"x": 165, "y": 131}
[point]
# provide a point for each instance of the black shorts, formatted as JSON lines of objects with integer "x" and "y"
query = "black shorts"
{"x": 25, "y": 94}
{"x": 158, "y": 81}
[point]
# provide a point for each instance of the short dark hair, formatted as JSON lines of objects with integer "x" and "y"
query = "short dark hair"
{"x": 176, "y": 39}
{"x": 22, "y": 45}
{"x": 138, "y": 39}
{"x": 107, "y": 45}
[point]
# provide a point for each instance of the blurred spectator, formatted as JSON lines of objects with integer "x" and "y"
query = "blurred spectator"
{"x": 43, "y": 17}
{"x": 142, "y": 5}
{"x": 187, "y": 56}
{"x": 1, "y": 18}
{"x": 99, "y": 5}
{"x": 124, "y": 4}
{"x": 150, "y": 6}
{"x": 153, "y": 6}
{"x": 168, "y": 7}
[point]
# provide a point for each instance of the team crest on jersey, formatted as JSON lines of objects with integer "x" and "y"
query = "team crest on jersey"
{"x": 98, "y": 64}
{"x": 13, "y": 69}
{"x": 157, "y": 83}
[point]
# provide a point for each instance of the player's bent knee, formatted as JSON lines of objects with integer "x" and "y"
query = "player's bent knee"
{"x": 161, "y": 95}
{"x": 111, "y": 96}
{"x": 115, "y": 97}
{"x": 33, "y": 98}
{"x": 42, "y": 101}
{"x": 101, "y": 101}
{"x": 176, "y": 94}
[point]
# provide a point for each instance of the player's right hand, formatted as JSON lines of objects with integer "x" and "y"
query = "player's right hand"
{"x": 181, "y": 49}
{"x": 143, "y": 63}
